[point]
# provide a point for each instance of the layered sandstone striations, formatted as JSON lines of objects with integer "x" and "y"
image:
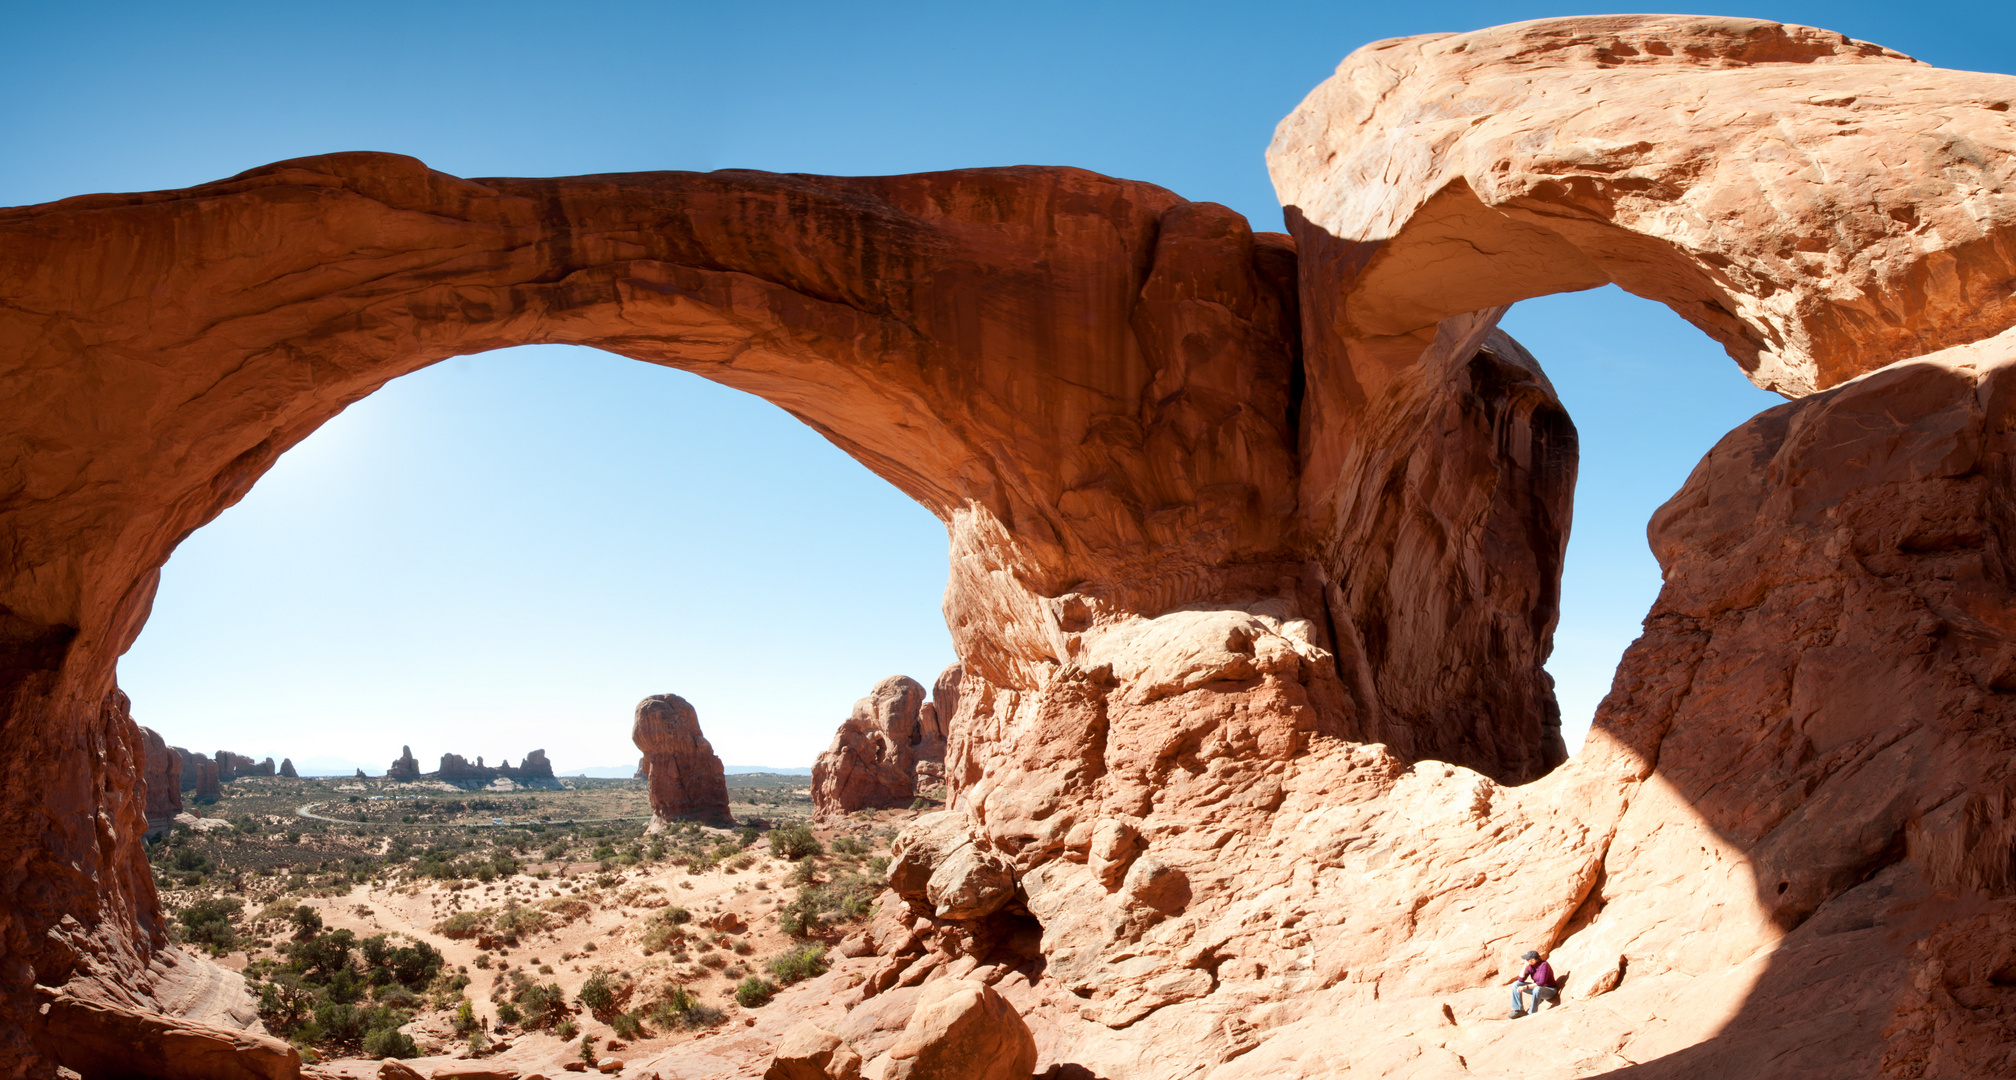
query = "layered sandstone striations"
{"x": 1255, "y": 548}
{"x": 889, "y": 750}
{"x": 685, "y": 777}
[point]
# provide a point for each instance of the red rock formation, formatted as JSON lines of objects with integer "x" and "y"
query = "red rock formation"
{"x": 208, "y": 787}
{"x": 162, "y": 775}
{"x": 934, "y": 719}
{"x": 1254, "y": 546}
{"x": 110, "y": 1040}
{"x": 405, "y": 768}
{"x": 456, "y": 769}
{"x": 686, "y": 778}
{"x": 873, "y": 759}
{"x": 188, "y": 767}
{"x": 231, "y": 766}
{"x": 287, "y": 769}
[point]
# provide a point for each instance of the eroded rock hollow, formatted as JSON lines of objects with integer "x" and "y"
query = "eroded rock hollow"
{"x": 1256, "y": 543}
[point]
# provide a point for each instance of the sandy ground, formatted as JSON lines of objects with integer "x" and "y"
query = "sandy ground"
{"x": 605, "y": 936}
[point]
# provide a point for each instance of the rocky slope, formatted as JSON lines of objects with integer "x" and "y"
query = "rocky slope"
{"x": 1255, "y": 548}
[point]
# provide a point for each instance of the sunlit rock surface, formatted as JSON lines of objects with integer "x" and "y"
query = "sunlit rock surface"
{"x": 1254, "y": 768}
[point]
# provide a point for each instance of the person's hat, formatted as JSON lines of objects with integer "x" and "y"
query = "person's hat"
{"x": 1530, "y": 955}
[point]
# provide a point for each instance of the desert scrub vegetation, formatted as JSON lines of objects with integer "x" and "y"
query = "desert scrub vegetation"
{"x": 494, "y": 926}
{"x": 755, "y": 992}
{"x": 664, "y": 930}
{"x": 605, "y": 993}
{"x": 795, "y": 843}
{"x": 317, "y": 997}
{"x": 208, "y": 924}
{"x": 849, "y": 897}
{"x": 681, "y": 1008}
{"x": 797, "y": 965}
{"x": 538, "y": 1006}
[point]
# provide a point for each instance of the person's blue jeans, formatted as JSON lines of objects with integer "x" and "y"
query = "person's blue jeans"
{"x": 1539, "y": 993}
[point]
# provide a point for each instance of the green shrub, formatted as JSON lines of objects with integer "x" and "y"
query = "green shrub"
{"x": 627, "y": 1026}
{"x": 208, "y": 922}
{"x": 285, "y": 1003}
{"x": 658, "y": 937}
{"x": 755, "y": 992}
{"x": 566, "y": 1030}
{"x": 463, "y": 924}
{"x": 508, "y": 1013}
{"x": 796, "y": 965}
{"x": 682, "y": 1008}
{"x": 389, "y": 1043}
{"x": 319, "y": 958}
{"x": 588, "y": 1048}
{"x": 794, "y": 843}
{"x": 598, "y": 994}
{"x": 306, "y": 922}
{"x": 514, "y": 920}
{"x": 544, "y": 1005}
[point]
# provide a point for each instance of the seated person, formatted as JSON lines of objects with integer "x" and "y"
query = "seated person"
{"x": 1536, "y": 979}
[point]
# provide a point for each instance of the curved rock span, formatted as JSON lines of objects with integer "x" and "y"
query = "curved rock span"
{"x": 685, "y": 777}
{"x": 1255, "y": 548}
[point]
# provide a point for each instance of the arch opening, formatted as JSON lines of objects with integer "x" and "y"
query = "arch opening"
{"x": 513, "y": 545}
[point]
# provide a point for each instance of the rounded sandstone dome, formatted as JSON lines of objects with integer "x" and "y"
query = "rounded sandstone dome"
{"x": 665, "y": 724}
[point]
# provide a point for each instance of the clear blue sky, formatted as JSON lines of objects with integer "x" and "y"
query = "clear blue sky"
{"x": 506, "y": 551}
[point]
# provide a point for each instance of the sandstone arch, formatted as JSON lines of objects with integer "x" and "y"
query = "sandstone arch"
{"x": 1819, "y": 205}
{"x": 1093, "y": 382}
{"x": 1254, "y": 541}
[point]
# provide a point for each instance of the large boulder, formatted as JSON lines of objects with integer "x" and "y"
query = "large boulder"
{"x": 102, "y": 1039}
{"x": 940, "y": 867}
{"x": 873, "y": 760}
{"x": 810, "y": 1052}
{"x": 686, "y": 779}
{"x": 963, "y": 1030}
